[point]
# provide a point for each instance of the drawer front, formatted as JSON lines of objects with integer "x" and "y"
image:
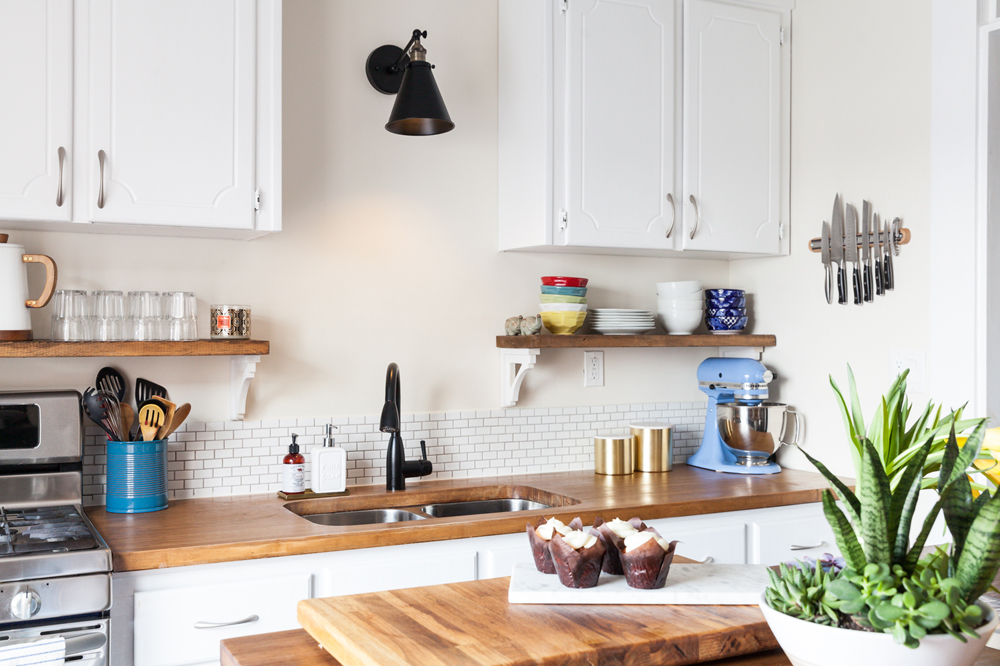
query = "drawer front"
{"x": 723, "y": 543}
{"x": 171, "y": 625}
{"x": 499, "y": 561}
{"x": 791, "y": 535}
{"x": 350, "y": 574}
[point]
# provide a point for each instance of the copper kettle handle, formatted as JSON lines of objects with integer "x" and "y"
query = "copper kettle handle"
{"x": 51, "y": 272}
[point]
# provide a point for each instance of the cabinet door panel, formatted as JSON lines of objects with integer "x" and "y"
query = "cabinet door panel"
{"x": 620, "y": 125}
{"x": 709, "y": 541}
{"x": 732, "y": 128}
{"x": 359, "y": 572}
{"x": 36, "y": 118}
{"x": 172, "y": 93}
{"x": 791, "y": 535}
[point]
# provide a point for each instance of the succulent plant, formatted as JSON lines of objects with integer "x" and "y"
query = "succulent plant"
{"x": 801, "y": 591}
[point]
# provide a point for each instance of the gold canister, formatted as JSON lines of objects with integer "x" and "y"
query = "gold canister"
{"x": 654, "y": 447}
{"x": 613, "y": 453}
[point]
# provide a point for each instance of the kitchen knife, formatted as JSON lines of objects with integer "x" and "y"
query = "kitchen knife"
{"x": 887, "y": 275}
{"x": 824, "y": 250}
{"x": 851, "y": 249}
{"x": 837, "y": 249}
{"x": 866, "y": 250}
{"x": 879, "y": 288}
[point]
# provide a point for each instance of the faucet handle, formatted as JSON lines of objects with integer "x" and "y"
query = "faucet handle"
{"x": 423, "y": 450}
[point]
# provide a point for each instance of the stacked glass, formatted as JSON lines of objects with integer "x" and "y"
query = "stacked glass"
{"x": 144, "y": 315}
{"x": 107, "y": 316}
{"x": 69, "y": 315}
{"x": 180, "y": 321}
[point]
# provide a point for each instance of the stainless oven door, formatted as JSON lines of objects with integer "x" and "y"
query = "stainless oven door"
{"x": 86, "y": 641}
{"x": 40, "y": 428}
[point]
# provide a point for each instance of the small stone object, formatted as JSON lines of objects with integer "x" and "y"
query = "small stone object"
{"x": 531, "y": 325}
{"x": 513, "y": 325}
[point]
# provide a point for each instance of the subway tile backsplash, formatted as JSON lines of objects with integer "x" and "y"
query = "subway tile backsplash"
{"x": 244, "y": 457}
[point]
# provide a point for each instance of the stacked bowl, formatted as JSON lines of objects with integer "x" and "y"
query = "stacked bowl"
{"x": 680, "y": 306}
{"x": 564, "y": 303}
{"x": 725, "y": 311}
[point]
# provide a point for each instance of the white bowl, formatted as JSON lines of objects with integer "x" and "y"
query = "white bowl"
{"x": 678, "y": 288}
{"x": 680, "y": 322}
{"x": 672, "y": 304}
{"x": 562, "y": 307}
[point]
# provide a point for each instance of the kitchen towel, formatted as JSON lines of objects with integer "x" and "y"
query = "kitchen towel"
{"x": 49, "y": 651}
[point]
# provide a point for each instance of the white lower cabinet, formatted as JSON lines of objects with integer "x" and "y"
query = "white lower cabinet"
{"x": 789, "y": 533}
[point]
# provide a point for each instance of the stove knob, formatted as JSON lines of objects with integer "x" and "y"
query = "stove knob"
{"x": 25, "y": 604}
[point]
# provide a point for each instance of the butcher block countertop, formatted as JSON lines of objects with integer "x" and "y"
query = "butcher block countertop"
{"x": 203, "y": 531}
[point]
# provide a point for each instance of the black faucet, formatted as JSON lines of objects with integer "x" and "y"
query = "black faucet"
{"x": 397, "y": 470}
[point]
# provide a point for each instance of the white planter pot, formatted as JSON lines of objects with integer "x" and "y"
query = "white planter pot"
{"x": 809, "y": 644}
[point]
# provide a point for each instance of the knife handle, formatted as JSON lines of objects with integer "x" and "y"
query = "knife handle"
{"x": 828, "y": 283}
{"x": 868, "y": 283}
{"x": 841, "y": 285}
{"x": 857, "y": 285}
{"x": 888, "y": 272}
{"x": 879, "y": 291}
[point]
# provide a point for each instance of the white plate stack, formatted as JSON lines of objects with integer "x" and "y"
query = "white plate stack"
{"x": 621, "y": 321}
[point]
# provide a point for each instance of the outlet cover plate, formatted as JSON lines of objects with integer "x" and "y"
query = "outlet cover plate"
{"x": 593, "y": 368}
{"x": 915, "y": 361}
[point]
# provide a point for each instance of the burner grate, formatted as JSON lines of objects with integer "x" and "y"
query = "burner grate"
{"x": 52, "y": 529}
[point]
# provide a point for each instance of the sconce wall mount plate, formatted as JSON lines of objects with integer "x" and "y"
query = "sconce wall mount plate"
{"x": 384, "y": 76}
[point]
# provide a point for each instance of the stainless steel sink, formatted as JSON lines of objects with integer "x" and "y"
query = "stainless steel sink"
{"x": 448, "y": 509}
{"x": 363, "y": 517}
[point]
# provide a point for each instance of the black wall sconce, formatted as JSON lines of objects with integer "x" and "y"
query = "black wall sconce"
{"x": 405, "y": 73}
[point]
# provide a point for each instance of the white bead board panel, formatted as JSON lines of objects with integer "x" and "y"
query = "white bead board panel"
{"x": 244, "y": 457}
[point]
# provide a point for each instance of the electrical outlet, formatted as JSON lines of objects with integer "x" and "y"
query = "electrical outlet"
{"x": 903, "y": 359}
{"x": 593, "y": 368}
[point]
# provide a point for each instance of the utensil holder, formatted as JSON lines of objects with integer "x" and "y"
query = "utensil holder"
{"x": 137, "y": 476}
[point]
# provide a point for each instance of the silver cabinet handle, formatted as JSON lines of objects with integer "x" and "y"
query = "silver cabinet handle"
{"x": 81, "y": 643}
{"x": 213, "y": 625}
{"x": 819, "y": 545}
{"x": 101, "y": 158}
{"x": 695, "y": 227}
{"x": 673, "y": 214}
{"x": 59, "y": 192}
{"x": 707, "y": 560}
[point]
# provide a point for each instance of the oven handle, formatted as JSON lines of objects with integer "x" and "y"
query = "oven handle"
{"x": 213, "y": 625}
{"x": 85, "y": 643}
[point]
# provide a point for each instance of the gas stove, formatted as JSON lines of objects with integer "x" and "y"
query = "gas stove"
{"x": 55, "y": 569}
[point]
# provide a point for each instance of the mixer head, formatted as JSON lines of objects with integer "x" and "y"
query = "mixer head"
{"x": 741, "y": 379}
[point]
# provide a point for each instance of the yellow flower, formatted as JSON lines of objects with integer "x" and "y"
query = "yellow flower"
{"x": 991, "y": 443}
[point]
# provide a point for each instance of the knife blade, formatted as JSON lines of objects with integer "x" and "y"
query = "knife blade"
{"x": 824, "y": 250}
{"x": 879, "y": 282}
{"x": 851, "y": 249}
{"x": 866, "y": 250}
{"x": 891, "y": 249}
{"x": 837, "y": 249}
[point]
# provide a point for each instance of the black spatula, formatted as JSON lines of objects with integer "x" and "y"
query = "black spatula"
{"x": 112, "y": 381}
{"x": 145, "y": 389}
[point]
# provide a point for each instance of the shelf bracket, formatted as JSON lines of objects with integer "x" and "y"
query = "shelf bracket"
{"x": 756, "y": 353}
{"x": 241, "y": 370}
{"x": 511, "y": 378}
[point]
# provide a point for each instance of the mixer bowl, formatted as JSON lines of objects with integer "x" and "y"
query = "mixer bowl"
{"x": 753, "y": 431}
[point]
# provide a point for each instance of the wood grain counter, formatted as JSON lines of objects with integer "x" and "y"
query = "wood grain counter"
{"x": 203, "y": 531}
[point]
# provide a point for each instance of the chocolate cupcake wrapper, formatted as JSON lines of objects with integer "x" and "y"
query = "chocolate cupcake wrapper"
{"x": 614, "y": 544}
{"x": 577, "y": 568}
{"x": 647, "y": 566}
{"x": 540, "y": 550}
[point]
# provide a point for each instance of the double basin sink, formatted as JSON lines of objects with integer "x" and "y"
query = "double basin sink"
{"x": 423, "y": 505}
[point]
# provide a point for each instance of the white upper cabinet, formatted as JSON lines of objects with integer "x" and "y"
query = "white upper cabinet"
{"x": 732, "y": 128}
{"x": 171, "y": 113}
{"x": 616, "y": 115}
{"x": 36, "y": 116}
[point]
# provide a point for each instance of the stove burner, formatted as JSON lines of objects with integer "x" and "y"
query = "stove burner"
{"x": 50, "y": 529}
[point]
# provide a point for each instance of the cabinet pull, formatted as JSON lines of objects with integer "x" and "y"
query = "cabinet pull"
{"x": 695, "y": 227}
{"x": 707, "y": 560}
{"x": 59, "y": 192}
{"x": 213, "y": 625}
{"x": 819, "y": 545}
{"x": 673, "y": 214}
{"x": 101, "y": 158}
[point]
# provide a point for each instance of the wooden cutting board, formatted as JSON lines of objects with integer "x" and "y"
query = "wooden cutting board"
{"x": 472, "y": 624}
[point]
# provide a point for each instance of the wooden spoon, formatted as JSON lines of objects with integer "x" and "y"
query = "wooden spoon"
{"x": 180, "y": 414}
{"x": 150, "y": 420}
{"x": 168, "y": 415}
{"x": 128, "y": 418}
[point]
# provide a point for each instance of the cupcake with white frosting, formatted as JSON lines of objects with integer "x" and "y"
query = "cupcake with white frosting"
{"x": 613, "y": 534}
{"x": 540, "y": 536}
{"x": 578, "y": 557}
{"x": 646, "y": 558}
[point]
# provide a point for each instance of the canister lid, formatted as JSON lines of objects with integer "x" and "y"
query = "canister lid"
{"x": 616, "y": 435}
{"x": 651, "y": 426}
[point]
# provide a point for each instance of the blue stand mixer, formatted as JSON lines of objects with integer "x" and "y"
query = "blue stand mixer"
{"x": 733, "y": 382}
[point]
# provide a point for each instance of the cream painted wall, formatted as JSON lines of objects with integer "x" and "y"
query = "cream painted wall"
{"x": 861, "y": 123}
{"x": 388, "y": 253}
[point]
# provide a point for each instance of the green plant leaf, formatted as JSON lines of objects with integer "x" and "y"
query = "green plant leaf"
{"x": 874, "y": 497}
{"x": 849, "y": 426}
{"x": 913, "y": 556}
{"x": 844, "y": 533}
{"x": 845, "y": 493}
{"x": 859, "y": 421}
{"x": 844, "y": 589}
{"x": 980, "y": 559}
{"x": 958, "y": 511}
{"x": 935, "y": 610}
{"x": 904, "y": 503}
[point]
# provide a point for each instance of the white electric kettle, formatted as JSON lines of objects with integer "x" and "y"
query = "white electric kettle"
{"x": 15, "y": 320}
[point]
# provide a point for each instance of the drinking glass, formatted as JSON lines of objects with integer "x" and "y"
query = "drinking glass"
{"x": 107, "y": 311}
{"x": 145, "y": 314}
{"x": 180, "y": 315}
{"x": 69, "y": 315}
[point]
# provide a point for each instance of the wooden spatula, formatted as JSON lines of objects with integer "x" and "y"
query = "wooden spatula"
{"x": 180, "y": 414}
{"x": 128, "y": 418}
{"x": 150, "y": 420}
{"x": 168, "y": 415}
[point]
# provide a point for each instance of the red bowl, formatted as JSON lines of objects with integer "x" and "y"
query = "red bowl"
{"x": 560, "y": 281}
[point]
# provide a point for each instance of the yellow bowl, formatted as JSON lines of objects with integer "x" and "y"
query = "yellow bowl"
{"x": 563, "y": 323}
{"x": 555, "y": 298}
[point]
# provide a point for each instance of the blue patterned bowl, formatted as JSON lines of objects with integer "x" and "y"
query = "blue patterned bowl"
{"x": 729, "y": 302}
{"x": 564, "y": 291}
{"x": 724, "y": 293}
{"x": 726, "y": 323}
{"x": 726, "y": 312}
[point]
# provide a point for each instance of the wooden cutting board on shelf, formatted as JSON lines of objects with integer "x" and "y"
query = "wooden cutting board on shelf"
{"x": 472, "y": 624}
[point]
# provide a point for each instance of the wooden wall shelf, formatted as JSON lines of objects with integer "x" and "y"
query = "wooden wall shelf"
{"x": 518, "y": 354}
{"x": 244, "y": 355}
{"x": 57, "y": 349}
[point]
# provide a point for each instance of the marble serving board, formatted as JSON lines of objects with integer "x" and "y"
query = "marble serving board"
{"x": 687, "y": 584}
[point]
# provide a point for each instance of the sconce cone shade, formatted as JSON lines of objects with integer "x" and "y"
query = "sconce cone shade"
{"x": 419, "y": 109}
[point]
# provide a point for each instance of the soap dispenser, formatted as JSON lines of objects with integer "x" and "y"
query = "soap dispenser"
{"x": 329, "y": 465}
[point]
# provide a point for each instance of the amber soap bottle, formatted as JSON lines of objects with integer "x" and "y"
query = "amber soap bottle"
{"x": 293, "y": 479}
